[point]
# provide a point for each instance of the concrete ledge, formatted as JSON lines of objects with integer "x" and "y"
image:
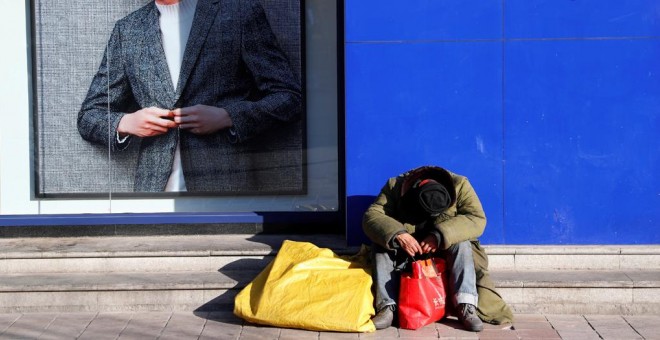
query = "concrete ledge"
{"x": 132, "y": 264}
{"x": 71, "y": 282}
{"x": 204, "y": 272}
{"x": 157, "y": 246}
{"x": 586, "y": 308}
{"x": 237, "y": 278}
{"x": 608, "y": 292}
{"x": 577, "y": 279}
{"x": 646, "y": 249}
{"x": 261, "y": 244}
{"x": 212, "y": 252}
{"x": 620, "y": 257}
{"x": 117, "y": 301}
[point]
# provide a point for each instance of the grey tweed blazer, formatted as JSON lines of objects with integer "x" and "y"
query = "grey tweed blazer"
{"x": 232, "y": 60}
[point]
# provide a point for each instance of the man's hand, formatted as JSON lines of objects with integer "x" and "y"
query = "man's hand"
{"x": 146, "y": 122}
{"x": 202, "y": 119}
{"x": 409, "y": 244}
{"x": 429, "y": 244}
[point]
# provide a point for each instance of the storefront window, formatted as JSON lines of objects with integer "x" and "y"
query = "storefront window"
{"x": 226, "y": 107}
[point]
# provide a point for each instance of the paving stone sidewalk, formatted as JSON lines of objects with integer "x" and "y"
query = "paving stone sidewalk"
{"x": 223, "y": 325}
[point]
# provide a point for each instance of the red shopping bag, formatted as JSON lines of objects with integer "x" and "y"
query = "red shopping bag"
{"x": 422, "y": 295}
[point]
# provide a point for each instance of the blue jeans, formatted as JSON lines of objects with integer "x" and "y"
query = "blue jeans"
{"x": 462, "y": 277}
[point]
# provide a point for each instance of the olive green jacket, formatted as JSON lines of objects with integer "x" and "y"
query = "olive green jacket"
{"x": 464, "y": 220}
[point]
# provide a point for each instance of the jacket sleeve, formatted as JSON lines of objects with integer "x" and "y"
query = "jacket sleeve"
{"x": 108, "y": 98}
{"x": 379, "y": 222}
{"x": 470, "y": 220}
{"x": 278, "y": 91}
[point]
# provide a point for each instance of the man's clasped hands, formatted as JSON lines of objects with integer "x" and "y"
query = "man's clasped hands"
{"x": 152, "y": 121}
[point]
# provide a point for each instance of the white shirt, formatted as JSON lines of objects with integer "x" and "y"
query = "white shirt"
{"x": 175, "y": 23}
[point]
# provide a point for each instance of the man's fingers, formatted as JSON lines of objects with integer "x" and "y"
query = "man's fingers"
{"x": 157, "y": 128}
{"x": 410, "y": 251}
{"x": 184, "y": 119}
{"x": 409, "y": 248}
{"x": 417, "y": 249}
{"x": 414, "y": 248}
{"x": 409, "y": 244}
{"x": 184, "y": 111}
{"x": 187, "y": 126}
{"x": 166, "y": 113}
{"x": 428, "y": 247}
{"x": 156, "y": 111}
{"x": 166, "y": 123}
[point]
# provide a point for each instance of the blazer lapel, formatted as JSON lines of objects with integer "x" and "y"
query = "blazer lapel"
{"x": 161, "y": 81}
{"x": 202, "y": 22}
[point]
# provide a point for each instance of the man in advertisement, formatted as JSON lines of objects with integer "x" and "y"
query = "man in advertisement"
{"x": 196, "y": 83}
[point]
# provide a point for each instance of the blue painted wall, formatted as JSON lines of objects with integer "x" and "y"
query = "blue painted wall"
{"x": 549, "y": 107}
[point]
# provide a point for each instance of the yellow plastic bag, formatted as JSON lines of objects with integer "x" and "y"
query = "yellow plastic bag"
{"x": 310, "y": 288}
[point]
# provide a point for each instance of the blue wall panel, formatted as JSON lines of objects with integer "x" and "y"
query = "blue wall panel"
{"x": 415, "y": 104}
{"x": 395, "y": 20}
{"x": 582, "y": 137}
{"x": 567, "y": 151}
{"x": 581, "y": 18}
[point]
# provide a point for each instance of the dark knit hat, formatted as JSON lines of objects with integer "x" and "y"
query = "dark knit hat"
{"x": 433, "y": 197}
{"x": 430, "y": 197}
{"x": 436, "y": 173}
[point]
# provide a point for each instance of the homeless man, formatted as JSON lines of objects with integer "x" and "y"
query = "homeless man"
{"x": 431, "y": 210}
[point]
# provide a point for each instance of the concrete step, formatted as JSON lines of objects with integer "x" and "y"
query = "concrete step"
{"x": 611, "y": 257}
{"x": 156, "y": 246}
{"x": 213, "y": 252}
{"x": 569, "y": 292}
{"x": 122, "y": 291}
{"x": 629, "y": 292}
{"x": 150, "y": 253}
{"x": 188, "y": 272}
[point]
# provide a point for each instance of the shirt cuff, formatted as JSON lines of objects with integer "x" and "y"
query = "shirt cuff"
{"x": 122, "y": 140}
{"x": 232, "y": 135}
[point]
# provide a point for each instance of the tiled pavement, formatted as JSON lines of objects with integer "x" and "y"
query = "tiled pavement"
{"x": 223, "y": 325}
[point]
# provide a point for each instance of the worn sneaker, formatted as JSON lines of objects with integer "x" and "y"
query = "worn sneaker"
{"x": 384, "y": 317}
{"x": 467, "y": 314}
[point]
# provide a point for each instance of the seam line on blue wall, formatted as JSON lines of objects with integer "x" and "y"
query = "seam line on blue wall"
{"x": 503, "y": 91}
{"x": 427, "y": 41}
{"x": 420, "y": 41}
{"x": 585, "y": 38}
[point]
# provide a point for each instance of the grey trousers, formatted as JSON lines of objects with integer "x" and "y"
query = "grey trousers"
{"x": 462, "y": 276}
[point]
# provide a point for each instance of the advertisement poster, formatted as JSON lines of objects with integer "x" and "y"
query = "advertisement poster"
{"x": 138, "y": 100}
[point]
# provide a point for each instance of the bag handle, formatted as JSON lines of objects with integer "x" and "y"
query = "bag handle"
{"x": 424, "y": 268}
